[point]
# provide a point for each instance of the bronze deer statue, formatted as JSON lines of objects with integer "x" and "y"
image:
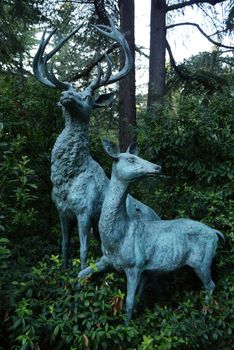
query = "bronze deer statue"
{"x": 79, "y": 182}
{"x": 138, "y": 246}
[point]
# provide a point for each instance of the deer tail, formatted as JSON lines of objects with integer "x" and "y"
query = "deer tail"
{"x": 220, "y": 235}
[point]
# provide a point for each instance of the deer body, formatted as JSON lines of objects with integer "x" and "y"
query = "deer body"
{"x": 135, "y": 245}
{"x": 78, "y": 187}
{"x": 74, "y": 173}
{"x": 79, "y": 183}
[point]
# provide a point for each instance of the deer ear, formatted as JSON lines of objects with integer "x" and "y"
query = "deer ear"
{"x": 111, "y": 149}
{"x": 103, "y": 100}
{"x": 133, "y": 149}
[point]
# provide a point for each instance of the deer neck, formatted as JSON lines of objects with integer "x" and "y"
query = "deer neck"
{"x": 70, "y": 154}
{"x": 114, "y": 217}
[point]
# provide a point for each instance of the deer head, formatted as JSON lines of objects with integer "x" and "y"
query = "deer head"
{"x": 79, "y": 103}
{"x": 128, "y": 167}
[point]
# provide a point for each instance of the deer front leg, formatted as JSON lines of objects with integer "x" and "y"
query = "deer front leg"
{"x": 66, "y": 228}
{"x": 133, "y": 279}
{"x": 101, "y": 265}
{"x": 84, "y": 224}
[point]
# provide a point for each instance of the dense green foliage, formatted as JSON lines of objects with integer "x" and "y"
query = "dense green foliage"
{"x": 49, "y": 313}
{"x": 27, "y": 133}
{"x": 192, "y": 138}
{"x": 17, "y": 20}
{"x": 41, "y": 307}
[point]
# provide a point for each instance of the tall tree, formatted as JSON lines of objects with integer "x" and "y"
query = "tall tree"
{"x": 157, "y": 71}
{"x": 17, "y": 20}
{"x": 158, "y": 43}
{"x": 127, "y": 89}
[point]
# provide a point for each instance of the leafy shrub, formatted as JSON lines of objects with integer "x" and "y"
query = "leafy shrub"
{"x": 4, "y": 266}
{"x": 17, "y": 187}
{"x": 48, "y": 312}
{"x": 192, "y": 139}
{"x": 4, "y": 255}
{"x": 26, "y": 136}
{"x": 41, "y": 307}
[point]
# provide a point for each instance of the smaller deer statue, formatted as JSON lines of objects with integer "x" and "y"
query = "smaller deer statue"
{"x": 136, "y": 245}
{"x": 79, "y": 183}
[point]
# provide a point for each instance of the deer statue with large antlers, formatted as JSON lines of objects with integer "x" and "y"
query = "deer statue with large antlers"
{"x": 79, "y": 183}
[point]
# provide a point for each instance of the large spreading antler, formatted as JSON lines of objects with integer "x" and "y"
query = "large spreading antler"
{"x": 40, "y": 69}
{"x": 46, "y": 76}
{"x": 113, "y": 33}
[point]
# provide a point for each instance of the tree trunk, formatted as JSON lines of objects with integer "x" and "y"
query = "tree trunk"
{"x": 156, "y": 88}
{"x": 127, "y": 89}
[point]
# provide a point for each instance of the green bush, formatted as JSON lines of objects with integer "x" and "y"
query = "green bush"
{"x": 41, "y": 308}
{"x": 48, "y": 312}
{"x": 27, "y": 132}
{"x": 192, "y": 139}
{"x": 17, "y": 187}
{"x": 4, "y": 279}
{"x": 4, "y": 255}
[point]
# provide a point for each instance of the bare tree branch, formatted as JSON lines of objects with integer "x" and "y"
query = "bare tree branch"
{"x": 202, "y": 32}
{"x": 208, "y": 80}
{"x": 101, "y": 11}
{"x": 191, "y": 2}
{"x": 139, "y": 50}
{"x": 208, "y": 15}
{"x": 177, "y": 69}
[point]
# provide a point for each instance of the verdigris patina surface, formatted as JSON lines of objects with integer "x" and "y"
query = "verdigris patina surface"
{"x": 79, "y": 183}
{"x": 137, "y": 245}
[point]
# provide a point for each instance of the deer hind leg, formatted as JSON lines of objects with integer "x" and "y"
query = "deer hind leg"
{"x": 204, "y": 274}
{"x": 66, "y": 229}
{"x": 84, "y": 224}
{"x": 141, "y": 286}
{"x": 133, "y": 279}
{"x": 203, "y": 267}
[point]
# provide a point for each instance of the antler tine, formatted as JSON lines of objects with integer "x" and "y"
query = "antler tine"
{"x": 38, "y": 61}
{"x": 109, "y": 68}
{"x": 112, "y": 29}
{"x": 96, "y": 83}
{"x": 40, "y": 68}
{"x": 50, "y": 74}
{"x": 99, "y": 81}
{"x": 115, "y": 34}
{"x": 61, "y": 43}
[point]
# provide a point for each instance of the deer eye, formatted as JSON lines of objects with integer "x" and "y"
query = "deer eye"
{"x": 131, "y": 160}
